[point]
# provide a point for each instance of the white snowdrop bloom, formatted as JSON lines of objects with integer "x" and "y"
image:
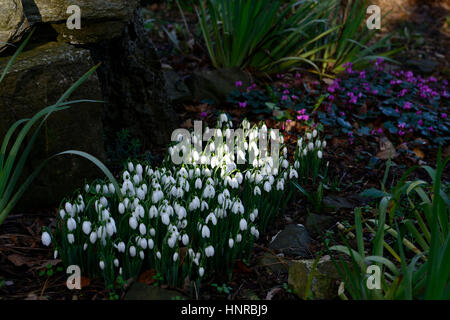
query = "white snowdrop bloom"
{"x": 257, "y": 191}
{"x": 252, "y": 217}
{"x": 201, "y": 271}
{"x": 120, "y": 271}
{"x": 310, "y": 146}
{"x": 105, "y": 189}
{"x": 296, "y": 164}
{"x": 130, "y": 167}
{"x": 70, "y": 238}
{"x": 171, "y": 242}
{"x": 181, "y": 213}
{"x": 121, "y": 247}
{"x": 141, "y": 255}
{"x": 121, "y": 208}
{"x": 153, "y": 212}
{"x": 150, "y": 244}
{"x": 46, "y": 239}
{"x": 211, "y": 217}
{"x": 102, "y": 265}
{"x": 314, "y": 133}
{"x": 280, "y": 185}
{"x": 230, "y": 243}
{"x": 319, "y": 154}
{"x": 132, "y": 251}
{"x": 105, "y": 215}
{"x": 184, "y": 224}
{"x": 136, "y": 179}
{"x": 318, "y": 144}
{"x": 243, "y": 225}
{"x": 71, "y": 224}
{"x": 238, "y": 238}
{"x": 93, "y": 237}
{"x": 69, "y": 209}
{"x": 258, "y": 178}
{"x": 86, "y": 227}
{"x": 180, "y": 192}
{"x": 185, "y": 239}
{"x": 198, "y": 183}
{"x": 308, "y": 136}
{"x": 209, "y": 192}
{"x": 139, "y": 169}
{"x": 126, "y": 175}
{"x": 86, "y": 188}
{"x": 324, "y": 144}
{"x": 84, "y": 247}
{"x": 271, "y": 179}
{"x": 55, "y": 254}
{"x": 209, "y": 251}
{"x": 305, "y": 151}
{"x": 204, "y": 206}
{"x": 152, "y": 232}
{"x": 285, "y": 164}
{"x": 175, "y": 256}
{"x": 220, "y": 198}
{"x": 214, "y": 162}
{"x": 116, "y": 263}
{"x": 140, "y": 194}
{"x": 98, "y": 188}
{"x": 104, "y": 202}
{"x": 142, "y": 229}
{"x": 205, "y": 232}
{"x": 143, "y": 243}
{"x": 267, "y": 186}
{"x": 165, "y": 219}
{"x": 111, "y": 188}
{"x": 133, "y": 223}
{"x": 62, "y": 213}
{"x": 158, "y": 255}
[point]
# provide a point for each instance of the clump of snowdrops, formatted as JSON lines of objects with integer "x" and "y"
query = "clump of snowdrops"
{"x": 186, "y": 221}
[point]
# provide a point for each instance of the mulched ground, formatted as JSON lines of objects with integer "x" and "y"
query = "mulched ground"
{"x": 23, "y": 258}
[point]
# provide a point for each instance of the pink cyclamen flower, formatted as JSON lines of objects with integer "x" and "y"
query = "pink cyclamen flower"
{"x": 284, "y": 98}
{"x": 407, "y": 105}
{"x": 243, "y": 104}
{"x": 238, "y": 84}
{"x": 380, "y": 130}
{"x": 204, "y": 114}
{"x": 444, "y": 115}
{"x": 420, "y": 122}
{"x": 431, "y": 129}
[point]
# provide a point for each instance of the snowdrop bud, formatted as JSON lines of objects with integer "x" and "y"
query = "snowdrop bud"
{"x": 152, "y": 232}
{"x": 62, "y": 213}
{"x": 116, "y": 263}
{"x": 185, "y": 239}
{"x": 84, "y": 247}
{"x": 142, "y": 229}
{"x": 133, "y": 223}
{"x": 230, "y": 243}
{"x": 171, "y": 242}
{"x": 175, "y": 256}
{"x": 71, "y": 224}
{"x": 69, "y": 209}
{"x": 105, "y": 189}
{"x": 150, "y": 243}
{"x": 46, "y": 239}
{"x": 97, "y": 188}
{"x": 318, "y": 144}
{"x": 165, "y": 219}
{"x": 310, "y": 146}
{"x": 267, "y": 186}
{"x": 308, "y": 136}
{"x": 319, "y": 154}
{"x": 139, "y": 169}
{"x": 102, "y": 265}
{"x": 87, "y": 227}
{"x": 93, "y": 237}
{"x": 121, "y": 208}
{"x": 201, "y": 271}
{"x": 120, "y": 271}
{"x": 70, "y": 238}
{"x": 121, "y": 247}
{"x": 130, "y": 167}
{"x": 141, "y": 255}
{"x": 285, "y": 164}
{"x": 158, "y": 255}
{"x": 132, "y": 251}
{"x": 86, "y": 188}
{"x": 143, "y": 243}
{"x": 314, "y": 133}
{"x": 55, "y": 254}
{"x": 243, "y": 225}
{"x": 324, "y": 144}
{"x": 238, "y": 238}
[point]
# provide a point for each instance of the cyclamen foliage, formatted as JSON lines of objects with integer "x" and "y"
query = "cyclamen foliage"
{"x": 185, "y": 222}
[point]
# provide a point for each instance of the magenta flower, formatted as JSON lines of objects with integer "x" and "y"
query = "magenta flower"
{"x": 243, "y": 104}
{"x": 407, "y": 105}
{"x": 204, "y": 114}
{"x": 284, "y": 98}
{"x": 380, "y": 130}
{"x": 294, "y": 97}
{"x": 238, "y": 84}
{"x": 297, "y": 75}
{"x": 420, "y": 122}
{"x": 444, "y": 115}
{"x": 431, "y": 129}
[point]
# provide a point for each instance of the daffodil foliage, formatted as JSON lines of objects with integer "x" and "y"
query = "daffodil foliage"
{"x": 187, "y": 221}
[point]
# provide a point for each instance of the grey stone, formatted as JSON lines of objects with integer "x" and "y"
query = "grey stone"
{"x": 293, "y": 240}
{"x": 177, "y": 90}
{"x": 142, "y": 291}
{"x": 36, "y": 80}
{"x": 425, "y": 65}
{"x": 275, "y": 264}
{"x": 324, "y": 284}
{"x": 316, "y": 223}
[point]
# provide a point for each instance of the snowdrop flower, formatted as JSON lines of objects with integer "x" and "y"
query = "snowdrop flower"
{"x": 62, "y": 214}
{"x": 267, "y": 186}
{"x": 152, "y": 232}
{"x": 238, "y": 238}
{"x": 86, "y": 188}
{"x": 230, "y": 243}
{"x": 318, "y": 144}
{"x": 150, "y": 244}
{"x": 71, "y": 224}
{"x": 308, "y": 136}
{"x": 205, "y": 232}
{"x": 158, "y": 255}
{"x": 143, "y": 243}
{"x": 139, "y": 169}
{"x": 175, "y": 256}
{"x": 102, "y": 265}
{"x": 280, "y": 185}
{"x": 285, "y": 163}
{"x": 46, "y": 239}
{"x": 142, "y": 229}
{"x": 84, "y": 247}
{"x": 69, "y": 209}
{"x": 198, "y": 183}
{"x": 314, "y": 133}
{"x": 153, "y": 212}
{"x": 171, "y": 242}
{"x": 204, "y": 206}
{"x": 201, "y": 271}
{"x": 55, "y": 254}
{"x": 324, "y": 144}
{"x": 209, "y": 251}
{"x": 97, "y": 188}
{"x": 165, "y": 219}
{"x": 133, "y": 223}
{"x": 70, "y": 238}
{"x": 121, "y": 247}
{"x": 141, "y": 255}
{"x": 105, "y": 189}
{"x": 93, "y": 237}
{"x": 86, "y": 227}
{"x": 243, "y": 225}
{"x": 116, "y": 263}
{"x": 185, "y": 239}
{"x": 310, "y": 146}
{"x": 293, "y": 173}
{"x": 132, "y": 251}
{"x": 130, "y": 167}
{"x": 319, "y": 154}
{"x": 121, "y": 208}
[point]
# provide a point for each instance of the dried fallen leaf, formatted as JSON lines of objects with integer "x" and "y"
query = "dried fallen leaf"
{"x": 147, "y": 277}
{"x": 19, "y": 260}
{"x": 419, "y": 153}
{"x": 387, "y": 149}
{"x": 241, "y": 267}
{"x": 85, "y": 282}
